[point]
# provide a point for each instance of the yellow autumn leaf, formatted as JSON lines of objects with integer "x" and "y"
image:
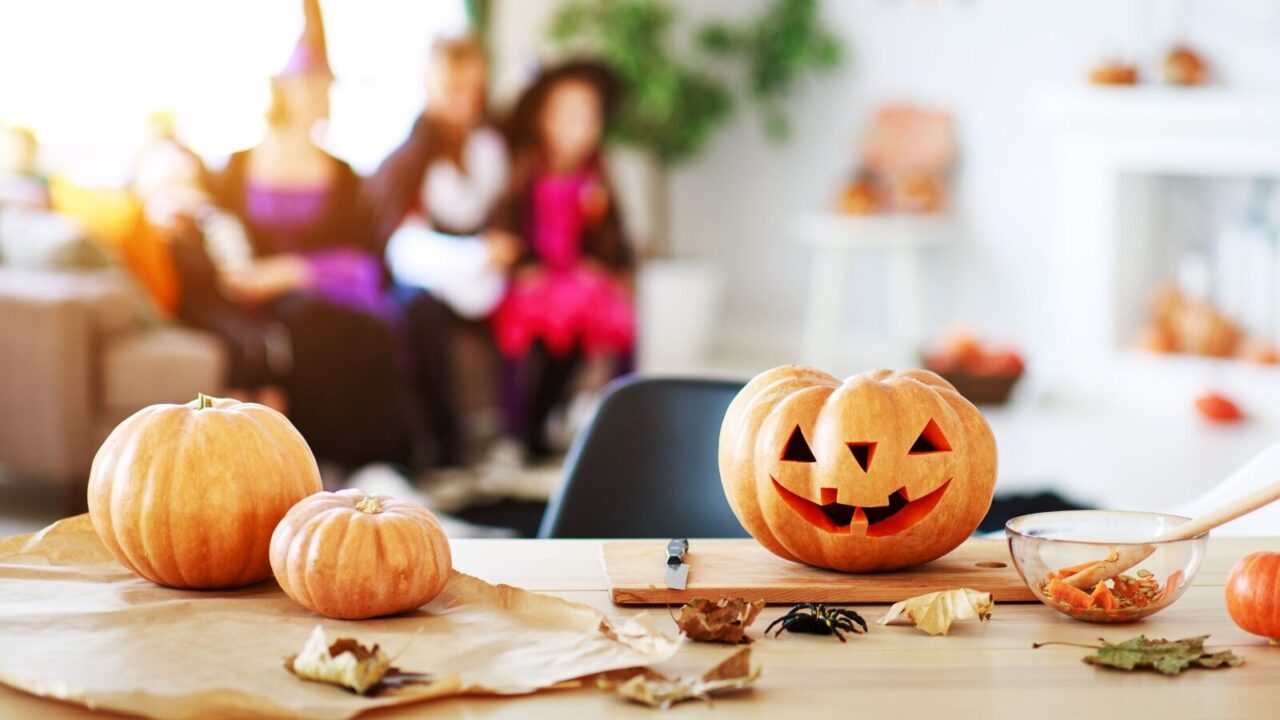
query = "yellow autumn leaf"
{"x": 934, "y": 612}
{"x": 348, "y": 664}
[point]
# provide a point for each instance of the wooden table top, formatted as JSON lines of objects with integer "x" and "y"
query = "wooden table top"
{"x": 979, "y": 671}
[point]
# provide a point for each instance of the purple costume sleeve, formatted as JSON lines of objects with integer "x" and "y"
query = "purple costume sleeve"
{"x": 342, "y": 274}
{"x": 346, "y": 276}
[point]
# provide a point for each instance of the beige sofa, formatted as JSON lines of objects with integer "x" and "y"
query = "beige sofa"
{"x": 76, "y": 359}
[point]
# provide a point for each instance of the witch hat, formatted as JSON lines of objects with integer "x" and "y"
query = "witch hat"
{"x": 310, "y": 54}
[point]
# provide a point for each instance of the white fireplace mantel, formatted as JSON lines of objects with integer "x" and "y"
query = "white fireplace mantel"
{"x": 1107, "y": 142}
{"x": 1194, "y": 131}
{"x": 1112, "y": 425}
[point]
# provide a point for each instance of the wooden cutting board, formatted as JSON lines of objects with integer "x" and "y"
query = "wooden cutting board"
{"x": 636, "y": 570}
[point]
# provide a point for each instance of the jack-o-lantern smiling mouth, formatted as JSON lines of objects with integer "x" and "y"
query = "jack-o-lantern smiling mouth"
{"x": 898, "y": 514}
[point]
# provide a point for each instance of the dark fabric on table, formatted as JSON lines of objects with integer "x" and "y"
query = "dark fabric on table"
{"x": 523, "y": 516}
{"x": 1006, "y": 507}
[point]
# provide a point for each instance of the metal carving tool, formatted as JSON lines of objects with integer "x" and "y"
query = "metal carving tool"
{"x": 677, "y": 568}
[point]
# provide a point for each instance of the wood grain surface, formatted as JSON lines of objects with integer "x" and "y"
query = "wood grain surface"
{"x": 978, "y": 672}
{"x": 742, "y": 568}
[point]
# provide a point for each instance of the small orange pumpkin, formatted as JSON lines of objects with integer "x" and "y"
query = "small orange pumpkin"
{"x": 882, "y": 471}
{"x": 188, "y": 495}
{"x": 1253, "y": 594}
{"x": 350, "y": 555}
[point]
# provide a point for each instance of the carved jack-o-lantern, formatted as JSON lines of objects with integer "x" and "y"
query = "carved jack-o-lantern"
{"x": 883, "y": 471}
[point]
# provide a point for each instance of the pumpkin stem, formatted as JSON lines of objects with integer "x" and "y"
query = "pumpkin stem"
{"x": 370, "y": 505}
{"x": 204, "y": 402}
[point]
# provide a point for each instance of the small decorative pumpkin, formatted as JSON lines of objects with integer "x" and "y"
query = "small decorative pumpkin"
{"x": 883, "y": 471}
{"x": 188, "y": 495}
{"x": 350, "y": 555}
{"x": 1253, "y": 594}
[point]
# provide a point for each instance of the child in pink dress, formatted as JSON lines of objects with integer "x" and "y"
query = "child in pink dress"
{"x": 570, "y": 294}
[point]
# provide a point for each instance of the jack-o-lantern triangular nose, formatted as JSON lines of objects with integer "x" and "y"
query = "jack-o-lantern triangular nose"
{"x": 863, "y": 452}
{"x": 797, "y": 449}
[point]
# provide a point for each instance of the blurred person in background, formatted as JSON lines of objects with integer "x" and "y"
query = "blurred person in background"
{"x": 570, "y": 294}
{"x": 426, "y": 202}
{"x": 204, "y": 241}
{"x": 453, "y": 166}
{"x": 21, "y": 184}
{"x": 33, "y": 233}
{"x": 310, "y": 306}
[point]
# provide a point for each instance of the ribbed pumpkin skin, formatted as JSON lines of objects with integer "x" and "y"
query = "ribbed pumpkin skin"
{"x": 887, "y": 408}
{"x": 349, "y": 563}
{"x": 1253, "y": 594}
{"x": 188, "y": 497}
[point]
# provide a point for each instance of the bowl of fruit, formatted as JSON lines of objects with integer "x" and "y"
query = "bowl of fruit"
{"x": 983, "y": 373}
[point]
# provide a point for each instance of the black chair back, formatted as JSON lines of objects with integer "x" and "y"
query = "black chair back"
{"x": 646, "y": 465}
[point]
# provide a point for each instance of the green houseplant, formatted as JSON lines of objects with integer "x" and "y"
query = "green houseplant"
{"x": 778, "y": 49}
{"x": 675, "y": 104}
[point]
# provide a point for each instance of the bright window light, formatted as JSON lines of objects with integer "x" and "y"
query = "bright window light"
{"x": 87, "y": 73}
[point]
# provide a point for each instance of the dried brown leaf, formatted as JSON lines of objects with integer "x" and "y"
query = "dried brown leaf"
{"x": 652, "y": 688}
{"x": 348, "y": 664}
{"x": 934, "y": 612}
{"x": 723, "y": 621}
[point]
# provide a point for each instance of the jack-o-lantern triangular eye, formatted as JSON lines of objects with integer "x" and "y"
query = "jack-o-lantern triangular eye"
{"x": 931, "y": 440}
{"x": 797, "y": 449}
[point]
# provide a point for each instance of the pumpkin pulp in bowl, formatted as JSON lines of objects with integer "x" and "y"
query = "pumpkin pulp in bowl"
{"x": 1048, "y": 548}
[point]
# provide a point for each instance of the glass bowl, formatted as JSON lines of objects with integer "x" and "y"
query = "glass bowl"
{"x": 1047, "y": 547}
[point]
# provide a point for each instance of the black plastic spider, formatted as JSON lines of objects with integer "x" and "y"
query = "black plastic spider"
{"x": 819, "y": 620}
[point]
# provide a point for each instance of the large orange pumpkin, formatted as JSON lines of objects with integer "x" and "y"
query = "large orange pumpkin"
{"x": 1253, "y": 594}
{"x": 882, "y": 471}
{"x": 188, "y": 495}
{"x": 350, "y": 555}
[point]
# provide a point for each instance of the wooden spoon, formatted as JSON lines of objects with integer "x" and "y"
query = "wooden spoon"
{"x": 1126, "y": 556}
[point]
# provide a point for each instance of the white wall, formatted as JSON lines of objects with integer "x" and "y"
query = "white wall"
{"x": 987, "y": 60}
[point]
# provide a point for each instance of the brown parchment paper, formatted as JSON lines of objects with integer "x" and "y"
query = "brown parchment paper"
{"x": 78, "y": 626}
